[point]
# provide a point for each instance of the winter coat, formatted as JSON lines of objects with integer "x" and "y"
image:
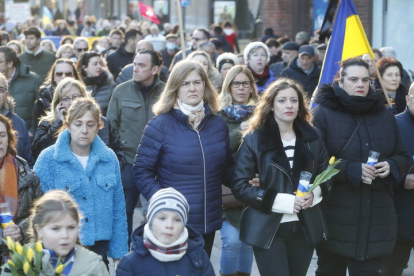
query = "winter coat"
{"x": 308, "y": 82}
{"x": 46, "y": 135}
{"x": 277, "y": 68}
{"x": 118, "y": 60}
{"x": 262, "y": 152}
{"x": 24, "y": 89}
{"x": 97, "y": 189}
{"x": 127, "y": 72}
{"x": 40, "y": 62}
{"x": 140, "y": 261}
{"x": 42, "y": 104}
{"x": 403, "y": 198}
{"x": 195, "y": 163}
{"x": 23, "y": 141}
{"x": 399, "y": 101}
{"x": 129, "y": 112}
{"x": 262, "y": 84}
{"x": 85, "y": 263}
{"x": 361, "y": 218}
{"x": 101, "y": 88}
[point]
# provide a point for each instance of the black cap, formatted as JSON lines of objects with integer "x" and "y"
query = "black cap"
{"x": 290, "y": 46}
{"x": 307, "y": 50}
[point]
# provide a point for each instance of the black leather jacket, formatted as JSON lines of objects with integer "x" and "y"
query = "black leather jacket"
{"x": 46, "y": 135}
{"x": 262, "y": 152}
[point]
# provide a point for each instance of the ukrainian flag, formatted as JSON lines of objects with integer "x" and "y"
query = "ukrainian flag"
{"x": 348, "y": 40}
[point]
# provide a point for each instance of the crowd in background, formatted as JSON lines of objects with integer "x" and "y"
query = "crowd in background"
{"x": 217, "y": 135}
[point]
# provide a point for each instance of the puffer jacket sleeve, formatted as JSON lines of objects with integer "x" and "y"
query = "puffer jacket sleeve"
{"x": 146, "y": 160}
{"x": 127, "y": 264}
{"x": 45, "y": 136}
{"x": 208, "y": 267}
{"x": 245, "y": 168}
{"x": 118, "y": 245}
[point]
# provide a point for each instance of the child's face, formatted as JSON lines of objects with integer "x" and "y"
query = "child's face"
{"x": 60, "y": 235}
{"x": 167, "y": 227}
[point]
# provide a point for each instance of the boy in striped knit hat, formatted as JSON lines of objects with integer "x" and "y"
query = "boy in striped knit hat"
{"x": 165, "y": 245}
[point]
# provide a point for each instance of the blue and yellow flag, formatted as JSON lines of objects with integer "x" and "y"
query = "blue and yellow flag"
{"x": 348, "y": 40}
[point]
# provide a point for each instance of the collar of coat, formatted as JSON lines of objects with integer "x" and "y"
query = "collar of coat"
{"x": 182, "y": 118}
{"x": 269, "y": 139}
{"x": 99, "y": 151}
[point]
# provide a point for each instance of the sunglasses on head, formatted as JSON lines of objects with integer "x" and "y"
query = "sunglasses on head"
{"x": 82, "y": 49}
{"x": 67, "y": 74}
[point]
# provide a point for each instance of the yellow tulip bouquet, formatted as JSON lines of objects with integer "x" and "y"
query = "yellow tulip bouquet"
{"x": 326, "y": 174}
{"x": 321, "y": 178}
{"x": 27, "y": 259}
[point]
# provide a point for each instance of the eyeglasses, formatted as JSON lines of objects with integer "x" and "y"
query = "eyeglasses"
{"x": 246, "y": 84}
{"x": 67, "y": 74}
{"x": 67, "y": 100}
{"x": 82, "y": 49}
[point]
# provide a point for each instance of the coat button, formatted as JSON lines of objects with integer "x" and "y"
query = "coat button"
{"x": 67, "y": 188}
{"x": 90, "y": 178}
{"x": 84, "y": 198}
{"x": 106, "y": 185}
{"x": 86, "y": 220}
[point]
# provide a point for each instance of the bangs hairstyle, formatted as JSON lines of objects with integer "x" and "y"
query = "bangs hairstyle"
{"x": 178, "y": 75}
{"x": 225, "y": 97}
{"x": 11, "y": 135}
{"x": 62, "y": 49}
{"x": 49, "y": 208}
{"x": 264, "y": 108}
{"x": 79, "y": 108}
{"x": 64, "y": 86}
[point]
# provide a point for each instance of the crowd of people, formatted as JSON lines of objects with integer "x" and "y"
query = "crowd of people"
{"x": 213, "y": 139}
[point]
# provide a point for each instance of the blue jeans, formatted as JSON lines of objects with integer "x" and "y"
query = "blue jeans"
{"x": 131, "y": 195}
{"x": 235, "y": 255}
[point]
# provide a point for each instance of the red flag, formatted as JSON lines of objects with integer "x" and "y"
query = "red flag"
{"x": 148, "y": 12}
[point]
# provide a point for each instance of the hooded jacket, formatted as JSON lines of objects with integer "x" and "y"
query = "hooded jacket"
{"x": 361, "y": 218}
{"x": 140, "y": 261}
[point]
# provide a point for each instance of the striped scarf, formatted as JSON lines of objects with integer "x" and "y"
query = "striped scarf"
{"x": 162, "y": 252}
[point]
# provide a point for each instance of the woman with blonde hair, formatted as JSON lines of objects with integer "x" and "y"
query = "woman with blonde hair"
{"x": 186, "y": 146}
{"x": 238, "y": 99}
{"x": 81, "y": 164}
{"x": 48, "y": 45}
{"x": 279, "y": 144}
{"x": 66, "y": 92}
{"x": 204, "y": 59}
{"x": 65, "y": 51}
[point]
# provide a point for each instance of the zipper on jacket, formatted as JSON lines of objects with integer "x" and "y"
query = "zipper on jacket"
{"x": 280, "y": 168}
{"x": 205, "y": 184}
{"x": 323, "y": 224}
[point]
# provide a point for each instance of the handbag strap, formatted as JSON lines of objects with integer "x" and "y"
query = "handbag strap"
{"x": 344, "y": 148}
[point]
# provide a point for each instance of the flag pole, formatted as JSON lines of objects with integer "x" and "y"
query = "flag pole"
{"x": 180, "y": 23}
{"x": 381, "y": 81}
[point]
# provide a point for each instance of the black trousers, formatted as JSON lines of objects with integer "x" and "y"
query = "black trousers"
{"x": 394, "y": 264}
{"x": 330, "y": 264}
{"x": 289, "y": 254}
{"x": 101, "y": 248}
{"x": 208, "y": 242}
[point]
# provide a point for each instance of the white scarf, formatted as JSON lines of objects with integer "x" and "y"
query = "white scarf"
{"x": 195, "y": 113}
{"x": 161, "y": 256}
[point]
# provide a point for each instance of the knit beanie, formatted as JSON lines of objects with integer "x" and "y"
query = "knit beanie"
{"x": 168, "y": 199}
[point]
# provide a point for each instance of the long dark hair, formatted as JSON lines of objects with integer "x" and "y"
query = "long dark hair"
{"x": 84, "y": 61}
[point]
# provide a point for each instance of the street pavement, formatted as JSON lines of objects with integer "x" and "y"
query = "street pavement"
{"x": 215, "y": 255}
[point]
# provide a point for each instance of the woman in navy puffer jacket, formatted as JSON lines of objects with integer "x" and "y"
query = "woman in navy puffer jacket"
{"x": 187, "y": 147}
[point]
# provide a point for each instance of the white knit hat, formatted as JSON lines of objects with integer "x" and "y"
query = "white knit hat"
{"x": 254, "y": 45}
{"x": 168, "y": 199}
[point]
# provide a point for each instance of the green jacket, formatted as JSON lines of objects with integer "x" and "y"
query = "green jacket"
{"x": 234, "y": 132}
{"x": 40, "y": 63}
{"x": 129, "y": 113}
{"x": 24, "y": 88}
